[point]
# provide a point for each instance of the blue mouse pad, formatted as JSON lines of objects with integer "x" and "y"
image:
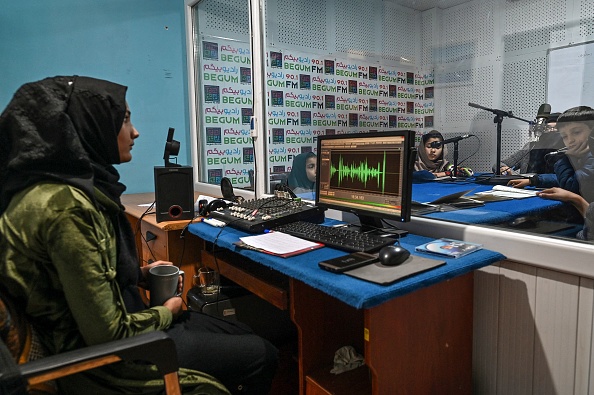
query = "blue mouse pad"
{"x": 384, "y": 275}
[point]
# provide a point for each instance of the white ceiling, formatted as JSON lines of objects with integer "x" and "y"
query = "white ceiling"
{"x": 423, "y": 5}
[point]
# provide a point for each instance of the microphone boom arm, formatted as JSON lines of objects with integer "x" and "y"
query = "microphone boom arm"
{"x": 499, "y": 115}
{"x": 499, "y": 112}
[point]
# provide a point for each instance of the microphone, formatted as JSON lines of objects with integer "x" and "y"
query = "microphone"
{"x": 559, "y": 151}
{"x": 544, "y": 111}
{"x": 227, "y": 191}
{"x": 437, "y": 144}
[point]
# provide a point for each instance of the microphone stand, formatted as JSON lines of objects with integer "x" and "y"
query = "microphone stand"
{"x": 499, "y": 115}
{"x": 456, "y": 159}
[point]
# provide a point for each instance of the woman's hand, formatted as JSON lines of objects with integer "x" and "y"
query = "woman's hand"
{"x": 175, "y": 305}
{"x": 144, "y": 282}
{"x": 519, "y": 183}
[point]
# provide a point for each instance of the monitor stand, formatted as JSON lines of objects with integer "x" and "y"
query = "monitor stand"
{"x": 375, "y": 226}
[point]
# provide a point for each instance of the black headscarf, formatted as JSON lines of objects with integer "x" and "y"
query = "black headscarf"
{"x": 66, "y": 129}
{"x": 298, "y": 176}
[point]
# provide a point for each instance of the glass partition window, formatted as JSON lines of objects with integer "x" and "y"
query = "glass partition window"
{"x": 333, "y": 67}
{"x": 223, "y": 89}
{"x": 482, "y": 70}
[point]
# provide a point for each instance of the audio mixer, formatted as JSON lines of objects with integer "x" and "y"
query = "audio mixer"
{"x": 257, "y": 215}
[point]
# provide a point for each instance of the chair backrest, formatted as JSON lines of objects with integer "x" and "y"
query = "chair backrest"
{"x": 9, "y": 332}
{"x": 11, "y": 380}
{"x": 25, "y": 369}
{"x": 16, "y": 332}
{"x": 19, "y": 344}
{"x": 278, "y": 179}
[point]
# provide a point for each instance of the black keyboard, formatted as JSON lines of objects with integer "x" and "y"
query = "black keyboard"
{"x": 341, "y": 238}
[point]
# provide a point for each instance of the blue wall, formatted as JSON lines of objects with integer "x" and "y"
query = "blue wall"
{"x": 138, "y": 43}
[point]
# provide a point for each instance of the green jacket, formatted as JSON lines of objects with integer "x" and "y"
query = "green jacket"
{"x": 58, "y": 261}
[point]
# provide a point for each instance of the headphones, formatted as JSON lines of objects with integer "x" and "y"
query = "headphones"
{"x": 205, "y": 208}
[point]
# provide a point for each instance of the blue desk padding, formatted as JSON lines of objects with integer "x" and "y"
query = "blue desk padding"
{"x": 354, "y": 292}
{"x": 490, "y": 213}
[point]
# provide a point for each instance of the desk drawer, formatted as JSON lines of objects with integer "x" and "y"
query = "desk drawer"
{"x": 268, "y": 284}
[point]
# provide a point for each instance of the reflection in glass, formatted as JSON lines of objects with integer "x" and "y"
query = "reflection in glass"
{"x": 334, "y": 67}
{"x": 224, "y": 92}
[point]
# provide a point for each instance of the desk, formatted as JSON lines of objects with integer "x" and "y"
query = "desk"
{"x": 416, "y": 335}
{"x": 490, "y": 213}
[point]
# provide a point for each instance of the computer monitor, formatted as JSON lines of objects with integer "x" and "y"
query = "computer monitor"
{"x": 368, "y": 174}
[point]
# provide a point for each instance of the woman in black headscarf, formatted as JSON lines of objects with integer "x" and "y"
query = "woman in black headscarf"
{"x": 303, "y": 173}
{"x": 67, "y": 252}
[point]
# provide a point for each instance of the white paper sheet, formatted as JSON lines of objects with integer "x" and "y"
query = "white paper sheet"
{"x": 278, "y": 243}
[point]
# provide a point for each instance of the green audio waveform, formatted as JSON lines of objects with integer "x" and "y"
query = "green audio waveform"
{"x": 361, "y": 171}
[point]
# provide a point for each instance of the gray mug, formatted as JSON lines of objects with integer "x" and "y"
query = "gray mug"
{"x": 163, "y": 281}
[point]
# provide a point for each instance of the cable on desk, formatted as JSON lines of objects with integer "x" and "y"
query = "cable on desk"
{"x": 182, "y": 236}
{"x": 137, "y": 230}
{"x": 255, "y": 176}
{"x": 266, "y": 203}
{"x": 474, "y": 153}
{"x": 214, "y": 255}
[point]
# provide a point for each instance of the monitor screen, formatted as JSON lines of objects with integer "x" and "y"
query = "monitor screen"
{"x": 368, "y": 174}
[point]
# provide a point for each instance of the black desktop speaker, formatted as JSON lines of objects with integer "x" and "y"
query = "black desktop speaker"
{"x": 174, "y": 193}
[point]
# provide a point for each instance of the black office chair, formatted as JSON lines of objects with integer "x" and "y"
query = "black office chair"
{"x": 35, "y": 372}
{"x": 154, "y": 347}
{"x": 278, "y": 180}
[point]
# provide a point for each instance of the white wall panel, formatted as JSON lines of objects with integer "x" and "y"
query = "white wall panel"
{"x": 543, "y": 342}
{"x": 468, "y": 31}
{"x": 585, "y": 12}
{"x": 302, "y": 23}
{"x": 399, "y": 25}
{"x": 555, "y": 335}
{"x": 486, "y": 330}
{"x": 429, "y": 37}
{"x": 530, "y": 24}
{"x": 515, "y": 346}
{"x": 225, "y": 15}
{"x": 583, "y": 359}
{"x": 524, "y": 89}
{"x": 356, "y": 27}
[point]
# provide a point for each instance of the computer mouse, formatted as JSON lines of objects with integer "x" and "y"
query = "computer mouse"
{"x": 393, "y": 255}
